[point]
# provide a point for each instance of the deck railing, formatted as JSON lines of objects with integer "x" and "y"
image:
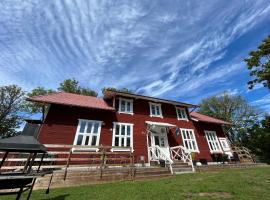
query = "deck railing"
{"x": 180, "y": 152}
{"x": 158, "y": 154}
{"x": 64, "y": 157}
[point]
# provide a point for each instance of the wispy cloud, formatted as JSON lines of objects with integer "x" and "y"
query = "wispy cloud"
{"x": 170, "y": 49}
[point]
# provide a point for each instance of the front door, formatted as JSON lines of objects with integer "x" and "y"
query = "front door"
{"x": 161, "y": 140}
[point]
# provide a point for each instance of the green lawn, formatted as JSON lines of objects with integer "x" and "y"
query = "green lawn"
{"x": 230, "y": 184}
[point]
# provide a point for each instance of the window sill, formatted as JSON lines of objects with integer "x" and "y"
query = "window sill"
{"x": 160, "y": 116}
{"x": 121, "y": 149}
{"x": 129, "y": 113}
{"x": 84, "y": 149}
{"x": 181, "y": 119}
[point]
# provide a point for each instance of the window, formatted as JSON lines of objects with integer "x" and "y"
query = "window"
{"x": 155, "y": 110}
{"x": 122, "y": 135}
{"x": 181, "y": 114}
{"x": 88, "y": 133}
{"x": 212, "y": 140}
{"x": 125, "y": 106}
{"x": 224, "y": 144}
{"x": 189, "y": 140}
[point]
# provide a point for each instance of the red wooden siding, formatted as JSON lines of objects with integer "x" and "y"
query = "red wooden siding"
{"x": 61, "y": 124}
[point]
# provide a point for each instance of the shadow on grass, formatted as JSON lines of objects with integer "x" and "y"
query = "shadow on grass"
{"x": 60, "y": 197}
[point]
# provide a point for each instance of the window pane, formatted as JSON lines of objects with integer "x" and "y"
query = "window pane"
{"x": 86, "y": 140}
{"x": 79, "y": 140}
{"x": 128, "y": 142}
{"x": 123, "y": 103}
{"x": 94, "y": 140}
{"x": 82, "y": 127}
{"x": 162, "y": 142}
{"x": 128, "y": 130}
{"x": 123, "y": 129}
{"x": 158, "y": 110}
{"x": 122, "y": 142}
{"x": 89, "y": 127}
{"x": 117, "y": 130}
{"x": 116, "y": 141}
{"x": 96, "y": 125}
{"x": 153, "y": 111}
{"x": 128, "y": 106}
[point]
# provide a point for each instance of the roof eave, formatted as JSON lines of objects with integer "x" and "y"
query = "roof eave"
{"x": 154, "y": 99}
{"x": 50, "y": 102}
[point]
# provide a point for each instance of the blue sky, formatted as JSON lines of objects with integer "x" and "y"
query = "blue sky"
{"x": 181, "y": 50}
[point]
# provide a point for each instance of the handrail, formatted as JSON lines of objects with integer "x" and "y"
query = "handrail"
{"x": 158, "y": 154}
{"x": 182, "y": 153}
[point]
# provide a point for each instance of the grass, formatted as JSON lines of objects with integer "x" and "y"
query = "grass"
{"x": 253, "y": 183}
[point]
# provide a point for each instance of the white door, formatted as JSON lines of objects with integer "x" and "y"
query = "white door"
{"x": 161, "y": 140}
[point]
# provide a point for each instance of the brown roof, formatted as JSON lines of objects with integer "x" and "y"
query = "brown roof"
{"x": 204, "y": 118}
{"x": 71, "y": 99}
{"x": 111, "y": 93}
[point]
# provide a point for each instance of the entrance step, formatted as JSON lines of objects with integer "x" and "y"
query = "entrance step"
{"x": 180, "y": 167}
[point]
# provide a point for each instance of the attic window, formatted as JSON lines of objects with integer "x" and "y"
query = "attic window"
{"x": 155, "y": 110}
{"x": 181, "y": 114}
{"x": 125, "y": 106}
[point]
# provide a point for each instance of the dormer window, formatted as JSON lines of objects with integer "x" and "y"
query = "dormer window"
{"x": 155, "y": 110}
{"x": 125, "y": 106}
{"x": 181, "y": 114}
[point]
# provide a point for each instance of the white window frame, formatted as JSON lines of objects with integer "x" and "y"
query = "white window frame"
{"x": 185, "y": 113}
{"x": 225, "y": 147}
{"x": 87, "y": 134}
{"x": 189, "y": 141}
{"x": 211, "y": 137}
{"x": 156, "y": 105}
{"x": 125, "y": 100}
{"x": 122, "y": 148}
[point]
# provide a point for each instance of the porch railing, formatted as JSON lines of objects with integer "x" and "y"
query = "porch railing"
{"x": 158, "y": 154}
{"x": 180, "y": 152}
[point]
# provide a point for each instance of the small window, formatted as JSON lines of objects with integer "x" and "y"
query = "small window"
{"x": 189, "y": 140}
{"x": 224, "y": 144}
{"x": 181, "y": 114}
{"x": 88, "y": 133}
{"x": 125, "y": 106}
{"x": 213, "y": 142}
{"x": 155, "y": 110}
{"x": 122, "y": 135}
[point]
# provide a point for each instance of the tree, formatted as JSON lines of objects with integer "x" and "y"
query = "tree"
{"x": 258, "y": 139}
{"x": 233, "y": 109}
{"x": 11, "y": 98}
{"x": 258, "y": 63}
{"x": 126, "y": 90}
{"x": 72, "y": 86}
{"x": 32, "y": 107}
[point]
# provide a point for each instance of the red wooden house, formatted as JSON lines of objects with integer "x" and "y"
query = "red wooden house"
{"x": 154, "y": 128}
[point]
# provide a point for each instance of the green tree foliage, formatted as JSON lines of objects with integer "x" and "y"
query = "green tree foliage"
{"x": 233, "y": 109}
{"x": 11, "y": 98}
{"x": 32, "y": 107}
{"x": 258, "y": 63}
{"x": 72, "y": 86}
{"x": 126, "y": 90}
{"x": 258, "y": 139}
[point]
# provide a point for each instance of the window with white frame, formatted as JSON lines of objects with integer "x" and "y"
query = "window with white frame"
{"x": 125, "y": 106}
{"x": 122, "y": 135}
{"x": 224, "y": 144}
{"x": 181, "y": 114}
{"x": 189, "y": 140}
{"x": 88, "y": 133}
{"x": 155, "y": 110}
{"x": 213, "y": 142}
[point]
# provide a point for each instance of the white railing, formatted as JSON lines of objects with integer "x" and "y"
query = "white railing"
{"x": 157, "y": 154}
{"x": 182, "y": 153}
